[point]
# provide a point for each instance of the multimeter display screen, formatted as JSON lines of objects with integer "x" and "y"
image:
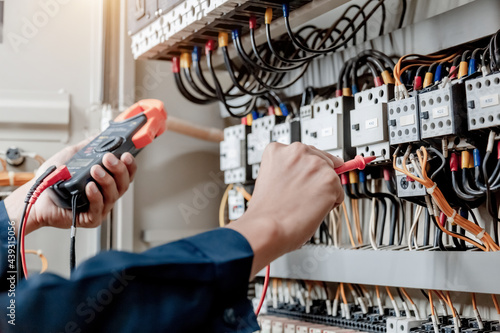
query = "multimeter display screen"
{"x": 79, "y": 163}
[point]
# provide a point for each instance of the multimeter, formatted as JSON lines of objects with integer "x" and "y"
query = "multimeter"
{"x": 131, "y": 131}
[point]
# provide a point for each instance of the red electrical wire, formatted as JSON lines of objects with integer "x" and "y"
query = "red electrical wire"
{"x": 23, "y": 258}
{"x": 264, "y": 290}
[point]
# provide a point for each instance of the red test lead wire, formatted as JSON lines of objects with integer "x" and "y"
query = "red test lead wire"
{"x": 60, "y": 174}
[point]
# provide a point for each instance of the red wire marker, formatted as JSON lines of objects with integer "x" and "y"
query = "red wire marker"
{"x": 358, "y": 163}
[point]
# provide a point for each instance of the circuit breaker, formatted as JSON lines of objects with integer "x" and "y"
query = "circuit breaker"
{"x": 403, "y": 121}
{"x": 369, "y": 133}
{"x": 406, "y": 186}
{"x": 286, "y": 133}
{"x": 442, "y": 111}
{"x": 483, "y": 102}
{"x": 258, "y": 140}
{"x": 323, "y": 126}
{"x": 233, "y": 159}
{"x": 236, "y": 205}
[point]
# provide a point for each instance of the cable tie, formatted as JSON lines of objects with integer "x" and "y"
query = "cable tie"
{"x": 11, "y": 177}
{"x": 430, "y": 190}
{"x": 73, "y": 231}
{"x": 481, "y": 234}
{"x": 451, "y": 219}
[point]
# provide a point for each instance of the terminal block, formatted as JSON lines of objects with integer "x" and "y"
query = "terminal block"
{"x": 233, "y": 159}
{"x": 406, "y": 186}
{"x": 235, "y": 204}
{"x": 369, "y": 132}
{"x": 404, "y": 125}
{"x": 287, "y": 132}
{"x": 323, "y": 126}
{"x": 442, "y": 111}
{"x": 258, "y": 140}
{"x": 483, "y": 102}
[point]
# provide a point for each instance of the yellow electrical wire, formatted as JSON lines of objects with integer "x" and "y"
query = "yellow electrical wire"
{"x": 243, "y": 192}
{"x": 222, "y": 206}
{"x": 432, "y": 304}
{"x": 357, "y": 223}
{"x": 495, "y": 301}
{"x": 348, "y": 224}
{"x": 342, "y": 293}
{"x": 45, "y": 263}
{"x": 389, "y": 293}
{"x": 406, "y": 295}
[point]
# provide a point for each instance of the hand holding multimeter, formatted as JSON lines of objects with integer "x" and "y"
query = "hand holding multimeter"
{"x": 131, "y": 131}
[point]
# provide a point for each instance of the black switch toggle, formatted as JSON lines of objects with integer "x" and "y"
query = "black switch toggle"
{"x": 424, "y": 115}
{"x": 355, "y": 127}
{"x": 392, "y": 122}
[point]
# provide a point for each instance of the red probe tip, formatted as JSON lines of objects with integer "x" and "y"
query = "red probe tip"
{"x": 359, "y": 162}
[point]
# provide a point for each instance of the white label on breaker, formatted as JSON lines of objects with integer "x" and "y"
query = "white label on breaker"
{"x": 371, "y": 123}
{"x": 407, "y": 120}
{"x": 440, "y": 112}
{"x": 327, "y": 132}
{"x": 489, "y": 100}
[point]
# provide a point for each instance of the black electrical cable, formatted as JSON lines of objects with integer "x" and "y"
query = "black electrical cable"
{"x": 229, "y": 68}
{"x": 403, "y": 223}
{"x": 220, "y": 94}
{"x": 382, "y": 22}
{"x": 439, "y": 236}
{"x": 189, "y": 78}
{"x": 402, "y": 18}
{"x": 227, "y": 61}
{"x": 467, "y": 187}
{"x": 187, "y": 95}
{"x": 263, "y": 66}
{"x": 334, "y": 47}
{"x": 72, "y": 250}
{"x": 427, "y": 227}
{"x": 458, "y": 191}
{"x": 490, "y": 200}
{"x": 307, "y": 96}
{"x": 455, "y": 240}
{"x": 20, "y": 240}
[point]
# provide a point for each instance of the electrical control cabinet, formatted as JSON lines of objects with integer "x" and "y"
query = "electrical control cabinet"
{"x": 369, "y": 133}
{"x": 483, "y": 102}
{"x": 235, "y": 204}
{"x": 442, "y": 111}
{"x": 403, "y": 121}
{"x": 323, "y": 126}
{"x": 233, "y": 159}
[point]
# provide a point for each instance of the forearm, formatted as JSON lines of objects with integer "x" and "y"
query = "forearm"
{"x": 266, "y": 239}
{"x": 14, "y": 203}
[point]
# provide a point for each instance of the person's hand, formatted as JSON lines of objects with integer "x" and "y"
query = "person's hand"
{"x": 112, "y": 183}
{"x": 296, "y": 188}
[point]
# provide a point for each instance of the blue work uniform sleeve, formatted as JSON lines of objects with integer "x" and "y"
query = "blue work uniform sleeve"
{"x": 197, "y": 284}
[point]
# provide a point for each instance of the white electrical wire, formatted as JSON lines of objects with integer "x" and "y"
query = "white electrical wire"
{"x": 373, "y": 235}
{"x": 413, "y": 230}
